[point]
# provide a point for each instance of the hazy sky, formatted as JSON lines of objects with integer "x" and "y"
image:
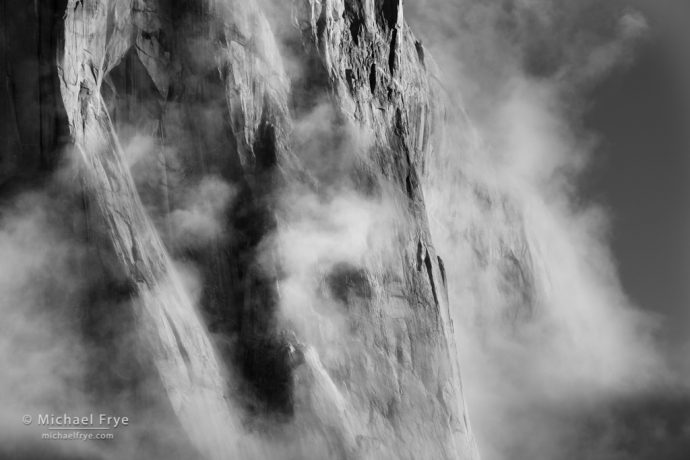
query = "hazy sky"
{"x": 640, "y": 172}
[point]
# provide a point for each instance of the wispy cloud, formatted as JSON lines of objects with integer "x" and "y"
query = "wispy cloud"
{"x": 548, "y": 337}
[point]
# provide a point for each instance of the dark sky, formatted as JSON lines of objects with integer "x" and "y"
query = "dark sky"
{"x": 640, "y": 173}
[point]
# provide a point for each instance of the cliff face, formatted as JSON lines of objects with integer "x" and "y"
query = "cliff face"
{"x": 32, "y": 122}
{"x": 211, "y": 81}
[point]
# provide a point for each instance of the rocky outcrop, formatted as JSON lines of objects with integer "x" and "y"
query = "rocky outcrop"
{"x": 210, "y": 79}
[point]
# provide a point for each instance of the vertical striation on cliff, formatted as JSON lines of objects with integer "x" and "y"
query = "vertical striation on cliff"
{"x": 377, "y": 74}
{"x": 215, "y": 72}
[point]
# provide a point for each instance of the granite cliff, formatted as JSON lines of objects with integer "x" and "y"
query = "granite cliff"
{"x": 232, "y": 93}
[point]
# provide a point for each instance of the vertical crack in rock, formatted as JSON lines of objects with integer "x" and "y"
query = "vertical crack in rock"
{"x": 430, "y": 273}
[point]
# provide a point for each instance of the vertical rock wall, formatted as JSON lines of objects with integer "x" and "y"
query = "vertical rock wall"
{"x": 395, "y": 391}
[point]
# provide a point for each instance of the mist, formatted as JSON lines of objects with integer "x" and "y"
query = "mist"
{"x": 552, "y": 347}
{"x": 65, "y": 347}
{"x": 267, "y": 276}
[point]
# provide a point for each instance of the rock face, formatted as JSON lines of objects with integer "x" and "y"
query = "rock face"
{"x": 215, "y": 81}
{"x": 376, "y": 70}
{"x": 31, "y": 122}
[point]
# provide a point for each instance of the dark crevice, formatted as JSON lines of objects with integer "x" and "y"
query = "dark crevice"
{"x": 265, "y": 148}
{"x": 399, "y": 126}
{"x": 411, "y": 183}
{"x": 409, "y": 189}
{"x": 420, "y": 52}
{"x": 372, "y": 78}
{"x": 350, "y": 77}
{"x": 430, "y": 273}
{"x": 392, "y": 54}
{"x": 420, "y": 258}
{"x": 442, "y": 267}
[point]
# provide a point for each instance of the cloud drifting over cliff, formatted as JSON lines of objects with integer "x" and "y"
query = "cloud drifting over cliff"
{"x": 548, "y": 338}
{"x": 549, "y": 342}
{"x": 65, "y": 335}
